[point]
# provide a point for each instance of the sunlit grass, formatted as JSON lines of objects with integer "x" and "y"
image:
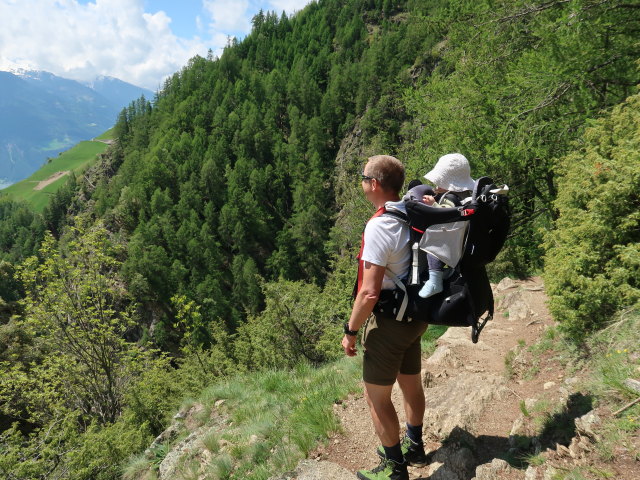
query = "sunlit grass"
{"x": 75, "y": 160}
{"x": 430, "y": 337}
{"x": 138, "y": 469}
{"x": 275, "y": 418}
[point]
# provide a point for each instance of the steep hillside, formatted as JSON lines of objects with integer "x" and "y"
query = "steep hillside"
{"x": 237, "y": 167}
{"x": 228, "y": 179}
{"x": 37, "y": 189}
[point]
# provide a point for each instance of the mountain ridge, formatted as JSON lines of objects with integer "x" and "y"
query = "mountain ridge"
{"x": 44, "y": 114}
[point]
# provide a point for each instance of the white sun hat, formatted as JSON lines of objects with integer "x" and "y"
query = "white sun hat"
{"x": 452, "y": 172}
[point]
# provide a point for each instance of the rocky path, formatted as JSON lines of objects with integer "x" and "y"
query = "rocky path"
{"x": 474, "y": 400}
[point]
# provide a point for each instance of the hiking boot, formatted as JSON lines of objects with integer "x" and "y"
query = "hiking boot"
{"x": 387, "y": 470}
{"x": 413, "y": 452}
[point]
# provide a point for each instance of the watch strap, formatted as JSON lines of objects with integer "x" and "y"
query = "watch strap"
{"x": 351, "y": 333}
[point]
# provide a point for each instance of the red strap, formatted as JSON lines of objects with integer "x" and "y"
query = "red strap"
{"x": 380, "y": 211}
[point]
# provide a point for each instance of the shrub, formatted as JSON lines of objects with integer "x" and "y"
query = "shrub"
{"x": 301, "y": 319}
{"x": 592, "y": 261}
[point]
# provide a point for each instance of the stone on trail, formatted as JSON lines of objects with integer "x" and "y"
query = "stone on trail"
{"x": 313, "y": 470}
{"x": 459, "y": 401}
{"x": 505, "y": 284}
{"x": 452, "y": 462}
{"x": 493, "y": 470}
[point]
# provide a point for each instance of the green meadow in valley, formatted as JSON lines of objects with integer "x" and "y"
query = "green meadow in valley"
{"x": 36, "y": 191}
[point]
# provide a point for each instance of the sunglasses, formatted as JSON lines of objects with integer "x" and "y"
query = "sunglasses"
{"x": 366, "y": 177}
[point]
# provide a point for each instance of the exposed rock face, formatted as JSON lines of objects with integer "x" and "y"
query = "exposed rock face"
{"x": 452, "y": 463}
{"x": 515, "y": 304}
{"x": 444, "y": 357}
{"x": 505, "y": 284}
{"x": 490, "y": 471}
{"x": 191, "y": 444}
{"x": 459, "y": 401}
{"x": 187, "y": 421}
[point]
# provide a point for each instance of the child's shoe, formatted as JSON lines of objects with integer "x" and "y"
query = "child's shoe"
{"x": 433, "y": 285}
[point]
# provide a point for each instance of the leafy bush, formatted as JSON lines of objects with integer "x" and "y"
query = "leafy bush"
{"x": 81, "y": 397}
{"x": 302, "y": 320}
{"x": 592, "y": 261}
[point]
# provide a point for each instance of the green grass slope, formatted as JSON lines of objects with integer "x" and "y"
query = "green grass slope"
{"x": 75, "y": 160}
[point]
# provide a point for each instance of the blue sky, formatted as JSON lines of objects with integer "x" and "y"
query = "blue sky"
{"x": 139, "y": 41}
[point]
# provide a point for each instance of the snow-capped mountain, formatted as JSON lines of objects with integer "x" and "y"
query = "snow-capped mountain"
{"x": 17, "y": 68}
{"x": 42, "y": 114}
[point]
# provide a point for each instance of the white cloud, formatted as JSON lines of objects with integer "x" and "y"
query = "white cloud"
{"x": 117, "y": 38}
{"x": 288, "y": 6}
{"x": 108, "y": 37}
{"x": 233, "y": 19}
{"x": 228, "y": 17}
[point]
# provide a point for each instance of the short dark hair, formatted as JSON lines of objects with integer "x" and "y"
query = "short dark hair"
{"x": 388, "y": 171}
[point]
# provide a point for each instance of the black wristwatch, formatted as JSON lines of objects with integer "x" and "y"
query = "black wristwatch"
{"x": 351, "y": 333}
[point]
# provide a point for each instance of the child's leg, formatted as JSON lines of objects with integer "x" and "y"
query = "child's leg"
{"x": 434, "y": 284}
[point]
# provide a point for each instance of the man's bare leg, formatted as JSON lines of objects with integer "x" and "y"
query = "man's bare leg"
{"x": 383, "y": 413}
{"x": 414, "y": 403}
{"x": 413, "y": 397}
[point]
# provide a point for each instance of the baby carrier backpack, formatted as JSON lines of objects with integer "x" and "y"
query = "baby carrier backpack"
{"x": 466, "y": 238}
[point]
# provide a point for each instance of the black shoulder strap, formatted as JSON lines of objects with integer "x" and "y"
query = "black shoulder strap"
{"x": 403, "y": 217}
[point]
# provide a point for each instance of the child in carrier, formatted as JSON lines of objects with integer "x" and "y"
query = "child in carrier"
{"x": 452, "y": 178}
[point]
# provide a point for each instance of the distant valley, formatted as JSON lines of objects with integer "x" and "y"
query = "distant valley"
{"x": 42, "y": 115}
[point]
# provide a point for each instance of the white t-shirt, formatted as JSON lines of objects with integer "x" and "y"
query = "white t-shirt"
{"x": 386, "y": 243}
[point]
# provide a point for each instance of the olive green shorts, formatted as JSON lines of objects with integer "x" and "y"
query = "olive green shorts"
{"x": 391, "y": 347}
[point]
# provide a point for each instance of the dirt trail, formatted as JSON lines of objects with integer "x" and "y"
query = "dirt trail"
{"x": 521, "y": 318}
{"x": 51, "y": 179}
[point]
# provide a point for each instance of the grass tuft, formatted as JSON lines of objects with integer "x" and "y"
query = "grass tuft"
{"x": 430, "y": 337}
{"x": 274, "y": 418}
{"x": 139, "y": 468}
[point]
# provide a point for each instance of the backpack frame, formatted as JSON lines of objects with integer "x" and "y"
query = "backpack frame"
{"x": 466, "y": 294}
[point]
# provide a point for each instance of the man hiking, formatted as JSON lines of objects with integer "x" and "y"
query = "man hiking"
{"x": 391, "y": 347}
